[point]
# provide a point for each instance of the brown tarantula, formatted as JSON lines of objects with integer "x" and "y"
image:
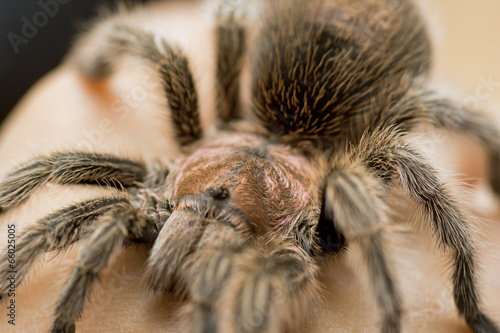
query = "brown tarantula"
{"x": 244, "y": 216}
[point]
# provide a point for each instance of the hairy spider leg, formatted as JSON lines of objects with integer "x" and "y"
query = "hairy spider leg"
{"x": 56, "y": 231}
{"x": 419, "y": 179}
{"x": 353, "y": 204}
{"x": 230, "y": 46}
{"x": 250, "y": 290}
{"x": 428, "y": 106}
{"x": 184, "y": 233}
{"x": 119, "y": 225}
{"x": 68, "y": 168}
{"x": 112, "y": 42}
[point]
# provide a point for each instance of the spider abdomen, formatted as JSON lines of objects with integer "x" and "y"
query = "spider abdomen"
{"x": 321, "y": 77}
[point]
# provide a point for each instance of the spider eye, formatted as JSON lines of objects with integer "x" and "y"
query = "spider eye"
{"x": 218, "y": 193}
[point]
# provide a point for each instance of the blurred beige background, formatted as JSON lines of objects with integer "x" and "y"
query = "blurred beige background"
{"x": 56, "y": 112}
{"x": 467, "y": 44}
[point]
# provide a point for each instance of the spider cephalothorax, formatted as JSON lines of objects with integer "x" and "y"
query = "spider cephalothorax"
{"x": 267, "y": 183}
{"x": 239, "y": 221}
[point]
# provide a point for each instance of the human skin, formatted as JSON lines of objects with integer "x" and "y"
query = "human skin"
{"x": 66, "y": 112}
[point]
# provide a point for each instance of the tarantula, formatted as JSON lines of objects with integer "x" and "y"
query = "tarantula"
{"x": 240, "y": 221}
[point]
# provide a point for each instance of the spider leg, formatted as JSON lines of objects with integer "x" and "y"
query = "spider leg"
{"x": 419, "y": 179}
{"x": 54, "y": 232}
{"x": 118, "y": 40}
{"x": 444, "y": 113}
{"x": 184, "y": 233}
{"x": 176, "y": 241}
{"x": 214, "y": 268}
{"x": 121, "y": 223}
{"x": 352, "y": 206}
{"x": 67, "y": 168}
{"x": 246, "y": 290}
{"x": 194, "y": 256}
{"x": 230, "y": 37}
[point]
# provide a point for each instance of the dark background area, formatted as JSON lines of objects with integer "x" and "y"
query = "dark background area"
{"x": 34, "y": 37}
